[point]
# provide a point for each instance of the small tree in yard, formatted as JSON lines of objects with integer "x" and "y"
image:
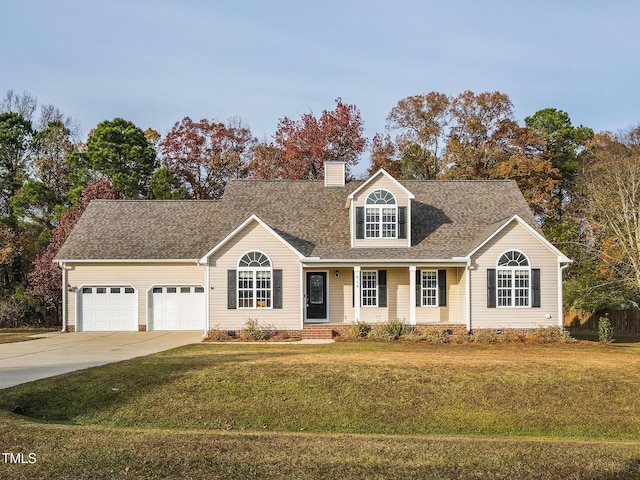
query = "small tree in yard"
{"x": 605, "y": 330}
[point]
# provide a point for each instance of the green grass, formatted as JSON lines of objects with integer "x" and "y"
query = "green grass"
{"x": 344, "y": 410}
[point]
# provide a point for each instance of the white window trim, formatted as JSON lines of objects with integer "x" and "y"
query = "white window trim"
{"x": 362, "y": 289}
{"x": 422, "y": 289}
{"x": 512, "y": 273}
{"x": 254, "y": 289}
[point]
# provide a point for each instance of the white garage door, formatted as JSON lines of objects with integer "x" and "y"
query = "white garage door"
{"x": 112, "y": 308}
{"x": 177, "y": 308}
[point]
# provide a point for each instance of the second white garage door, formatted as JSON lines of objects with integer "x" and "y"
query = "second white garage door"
{"x": 177, "y": 308}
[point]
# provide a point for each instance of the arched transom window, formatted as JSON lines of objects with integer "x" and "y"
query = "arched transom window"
{"x": 513, "y": 280}
{"x": 254, "y": 281}
{"x": 381, "y": 213}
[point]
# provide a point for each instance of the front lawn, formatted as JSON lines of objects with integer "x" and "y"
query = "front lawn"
{"x": 374, "y": 410}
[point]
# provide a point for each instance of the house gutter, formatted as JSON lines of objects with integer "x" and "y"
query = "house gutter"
{"x": 560, "y": 269}
{"x": 467, "y": 280}
{"x": 207, "y": 319}
{"x": 64, "y": 296}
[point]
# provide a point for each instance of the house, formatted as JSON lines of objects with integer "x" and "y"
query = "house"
{"x": 298, "y": 254}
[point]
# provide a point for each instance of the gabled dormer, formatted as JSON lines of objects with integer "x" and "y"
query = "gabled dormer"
{"x": 380, "y": 213}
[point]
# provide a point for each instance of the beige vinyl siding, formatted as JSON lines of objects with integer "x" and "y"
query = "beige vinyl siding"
{"x": 255, "y": 237}
{"x": 398, "y": 298}
{"x": 402, "y": 199}
{"x": 454, "y": 312}
{"x": 514, "y": 237}
{"x": 141, "y": 276}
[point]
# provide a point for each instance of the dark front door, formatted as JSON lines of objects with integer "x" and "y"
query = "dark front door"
{"x": 316, "y": 296}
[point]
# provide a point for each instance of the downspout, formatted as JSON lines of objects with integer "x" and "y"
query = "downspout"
{"x": 560, "y": 316}
{"x": 207, "y": 322}
{"x": 64, "y": 297}
{"x": 468, "y": 300}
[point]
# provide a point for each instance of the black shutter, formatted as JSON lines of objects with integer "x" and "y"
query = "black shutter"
{"x": 402, "y": 222}
{"x": 418, "y": 288}
{"x": 535, "y": 287}
{"x": 359, "y": 222}
{"x": 491, "y": 287}
{"x": 277, "y": 289}
{"x": 231, "y": 289}
{"x": 382, "y": 288}
{"x": 442, "y": 288}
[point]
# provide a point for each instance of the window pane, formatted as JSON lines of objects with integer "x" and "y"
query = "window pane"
{"x": 157, "y": 289}
{"x": 129, "y": 290}
{"x": 372, "y": 222}
{"x": 504, "y": 288}
{"x": 389, "y": 222}
{"x": 429, "y": 288}
{"x": 171, "y": 290}
{"x": 87, "y": 290}
{"x": 199, "y": 289}
{"x": 369, "y": 283}
{"x": 185, "y": 289}
{"x": 263, "y": 289}
{"x": 316, "y": 289}
{"x": 115, "y": 290}
{"x": 521, "y": 283}
{"x": 101, "y": 290}
{"x": 245, "y": 289}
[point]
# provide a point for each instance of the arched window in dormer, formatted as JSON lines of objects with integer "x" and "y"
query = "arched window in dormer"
{"x": 381, "y": 212}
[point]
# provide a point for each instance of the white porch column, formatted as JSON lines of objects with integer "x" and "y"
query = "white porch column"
{"x": 412, "y": 295}
{"x": 356, "y": 294}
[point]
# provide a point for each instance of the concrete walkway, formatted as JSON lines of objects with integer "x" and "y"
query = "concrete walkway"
{"x": 58, "y": 353}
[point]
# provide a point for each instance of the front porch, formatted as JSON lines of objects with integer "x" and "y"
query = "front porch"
{"x": 338, "y": 295}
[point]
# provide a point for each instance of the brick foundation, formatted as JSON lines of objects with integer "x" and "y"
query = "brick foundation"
{"x": 70, "y": 328}
{"x": 142, "y": 328}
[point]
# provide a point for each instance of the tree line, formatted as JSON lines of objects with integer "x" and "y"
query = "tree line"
{"x": 582, "y": 186}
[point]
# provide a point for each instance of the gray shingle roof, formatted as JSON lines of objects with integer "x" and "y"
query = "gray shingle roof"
{"x": 449, "y": 218}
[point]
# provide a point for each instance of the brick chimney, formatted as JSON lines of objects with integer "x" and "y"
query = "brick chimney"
{"x": 334, "y": 173}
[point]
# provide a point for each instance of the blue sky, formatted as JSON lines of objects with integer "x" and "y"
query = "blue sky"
{"x": 155, "y": 62}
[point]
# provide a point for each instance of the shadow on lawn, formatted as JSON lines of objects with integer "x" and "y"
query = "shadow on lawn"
{"x": 93, "y": 391}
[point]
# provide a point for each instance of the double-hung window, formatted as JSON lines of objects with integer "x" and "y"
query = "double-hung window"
{"x": 381, "y": 213}
{"x": 254, "y": 281}
{"x": 429, "y": 288}
{"x": 513, "y": 275}
{"x": 369, "y": 289}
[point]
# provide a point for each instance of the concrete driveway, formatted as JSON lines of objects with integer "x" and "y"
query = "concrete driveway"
{"x": 58, "y": 353}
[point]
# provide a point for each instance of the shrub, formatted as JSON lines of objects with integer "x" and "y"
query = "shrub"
{"x": 357, "y": 330}
{"x": 605, "y": 330}
{"x": 485, "y": 335}
{"x": 549, "y": 335}
{"x": 435, "y": 335}
{"x": 217, "y": 335}
{"x": 460, "y": 338}
{"x": 511, "y": 335}
{"x": 253, "y": 331}
{"x": 391, "y": 330}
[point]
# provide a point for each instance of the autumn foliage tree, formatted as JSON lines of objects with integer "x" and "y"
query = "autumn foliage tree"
{"x": 203, "y": 156}
{"x": 301, "y": 147}
{"x": 612, "y": 207}
{"x": 45, "y": 279}
{"x": 468, "y": 137}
